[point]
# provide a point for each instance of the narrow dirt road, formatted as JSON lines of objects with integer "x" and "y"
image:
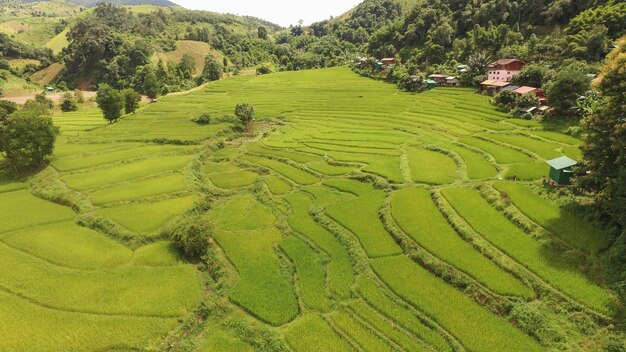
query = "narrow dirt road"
{"x": 56, "y": 97}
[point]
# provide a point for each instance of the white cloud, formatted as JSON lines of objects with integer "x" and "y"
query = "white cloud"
{"x": 282, "y": 12}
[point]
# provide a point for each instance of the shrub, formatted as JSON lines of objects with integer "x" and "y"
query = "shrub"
{"x": 69, "y": 103}
{"x": 533, "y": 318}
{"x": 203, "y": 119}
{"x": 505, "y": 99}
{"x": 191, "y": 237}
{"x": 80, "y": 97}
{"x": 42, "y": 99}
{"x": 245, "y": 113}
{"x": 6, "y": 108}
{"x": 264, "y": 69}
{"x": 62, "y": 86}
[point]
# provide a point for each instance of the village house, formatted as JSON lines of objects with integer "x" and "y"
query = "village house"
{"x": 493, "y": 86}
{"x": 538, "y": 92}
{"x": 504, "y": 69}
{"x": 388, "y": 61}
{"x": 440, "y": 79}
{"x": 453, "y": 81}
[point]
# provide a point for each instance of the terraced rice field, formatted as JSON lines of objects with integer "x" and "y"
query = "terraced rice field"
{"x": 358, "y": 219}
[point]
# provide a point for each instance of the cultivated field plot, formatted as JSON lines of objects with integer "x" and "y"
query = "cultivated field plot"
{"x": 361, "y": 219}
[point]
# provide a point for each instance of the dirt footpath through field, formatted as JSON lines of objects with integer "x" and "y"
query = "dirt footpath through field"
{"x": 56, "y": 97}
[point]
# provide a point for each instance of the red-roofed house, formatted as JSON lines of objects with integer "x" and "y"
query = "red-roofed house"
{"x": 526, "y": 89}
{"x": 504, "y": 69}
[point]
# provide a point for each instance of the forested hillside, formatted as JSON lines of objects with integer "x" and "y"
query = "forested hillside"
{"x": 428, "y": 35}
{"x": 92, "y": 3}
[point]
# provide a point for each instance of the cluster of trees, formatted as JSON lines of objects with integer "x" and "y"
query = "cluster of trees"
{"x": 27, "y": 134}
{"x": 19, "y": 50}
{"x": 515, "y": 103}
{"x": 603, "y": 170}
{"x": 114, "y": 103}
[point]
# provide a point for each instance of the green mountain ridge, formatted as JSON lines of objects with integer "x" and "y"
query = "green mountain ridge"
{"x": 92, "y": 3}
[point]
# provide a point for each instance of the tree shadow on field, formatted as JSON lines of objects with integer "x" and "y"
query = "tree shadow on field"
{"x": 8, "y": 175}
{"x": 570, "y": 249}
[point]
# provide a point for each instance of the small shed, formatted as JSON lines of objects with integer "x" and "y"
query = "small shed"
{"x": 430, "y": 84}
{"x": 530, "y": 110}
{"x": 561, "y": 170}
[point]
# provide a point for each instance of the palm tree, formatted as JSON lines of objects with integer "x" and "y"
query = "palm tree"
{"x": 477, "y": 62}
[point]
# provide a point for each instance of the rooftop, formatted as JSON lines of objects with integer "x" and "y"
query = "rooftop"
{"x": 500, "y": 83}
{"x": 438, "y": 75}
{"x": 494, "y": 83}
{"x": 504, "y": 62}
{"x": 562, "y": 163}
{"x": 525, "y": 89}
{"x": 511, "y": 87}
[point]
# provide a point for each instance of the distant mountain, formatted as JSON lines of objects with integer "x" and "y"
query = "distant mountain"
{"x": 91, "y": 3}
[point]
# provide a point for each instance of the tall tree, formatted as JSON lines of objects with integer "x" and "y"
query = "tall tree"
{"x": 213, "y": 70}
{"x": 604, "y": 159}
{"x": 131, "y": 100}
{"x": 245, "y": 113}
{"x": 110, "y": 101}
{"x": 151, "y": 83}
{"x": 604, "y": 151}
{"x": 569, "y": 84}
{"x": 27, "y": 137}
{"x": 187, "y": 66}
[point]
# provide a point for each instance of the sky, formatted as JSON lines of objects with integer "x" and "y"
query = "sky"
{"x": 282, "y": 12}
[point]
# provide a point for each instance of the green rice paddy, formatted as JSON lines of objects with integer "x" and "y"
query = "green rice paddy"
{"x": 313, "y": 223}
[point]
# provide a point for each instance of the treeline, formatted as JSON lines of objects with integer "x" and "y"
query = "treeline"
{"x": 18, "y": 50}
{"x": 112, "y": 45}
{"x": 440, "y": 31}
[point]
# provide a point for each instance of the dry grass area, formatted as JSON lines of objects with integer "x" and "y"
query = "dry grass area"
{"x": 197, "y": 50}
{"x": 48, "y": 74}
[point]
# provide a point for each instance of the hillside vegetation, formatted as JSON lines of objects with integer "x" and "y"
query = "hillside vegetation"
{"x": 360, "y": 218}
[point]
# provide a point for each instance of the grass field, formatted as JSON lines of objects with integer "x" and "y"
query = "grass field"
{"x": 314, "y": 225}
